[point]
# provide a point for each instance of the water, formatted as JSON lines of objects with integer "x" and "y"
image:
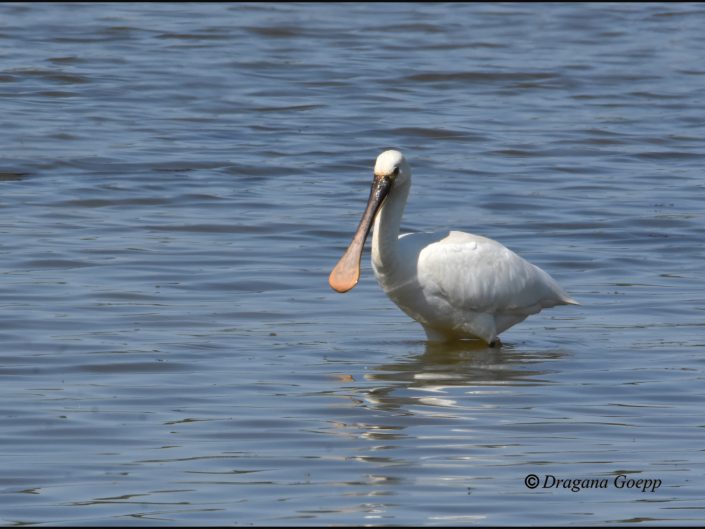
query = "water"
{"x": 176, "y": 182}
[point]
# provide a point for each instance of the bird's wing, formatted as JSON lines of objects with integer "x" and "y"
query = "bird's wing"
{"x": 475, "y": 273}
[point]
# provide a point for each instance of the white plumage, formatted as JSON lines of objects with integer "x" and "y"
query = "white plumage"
{"x": 455, "y": 284}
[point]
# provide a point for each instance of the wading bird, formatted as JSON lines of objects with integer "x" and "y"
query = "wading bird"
{"x": 456, "y": 285}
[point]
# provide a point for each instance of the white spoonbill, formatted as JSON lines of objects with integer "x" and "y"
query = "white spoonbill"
{"x": 456, "y": 285}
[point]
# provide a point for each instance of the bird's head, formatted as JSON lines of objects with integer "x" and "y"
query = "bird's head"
{"x": 393, "y": 166}
{"x": 391, "y": 170}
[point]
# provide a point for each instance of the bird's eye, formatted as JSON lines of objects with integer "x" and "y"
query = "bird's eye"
{"x": 396, "y": 171}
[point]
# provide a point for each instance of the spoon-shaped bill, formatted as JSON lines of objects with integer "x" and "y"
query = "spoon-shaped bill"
{"x": 346, "y": 273}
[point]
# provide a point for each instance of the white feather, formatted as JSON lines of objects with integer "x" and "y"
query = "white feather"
{"x": 456, "y": 284}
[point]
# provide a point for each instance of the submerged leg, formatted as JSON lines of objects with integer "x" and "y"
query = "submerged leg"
{"x": 433, "y": 335}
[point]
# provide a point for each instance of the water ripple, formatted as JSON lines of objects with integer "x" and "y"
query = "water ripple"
{"x": 177, "y": 183}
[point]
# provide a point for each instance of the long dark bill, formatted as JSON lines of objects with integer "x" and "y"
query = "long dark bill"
{"x": 346, "y": 273}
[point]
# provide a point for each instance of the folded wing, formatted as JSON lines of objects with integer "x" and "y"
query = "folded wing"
{"x": 478, "y": 274}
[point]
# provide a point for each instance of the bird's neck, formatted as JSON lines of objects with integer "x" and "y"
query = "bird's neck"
{"x": 385, "y": 239}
